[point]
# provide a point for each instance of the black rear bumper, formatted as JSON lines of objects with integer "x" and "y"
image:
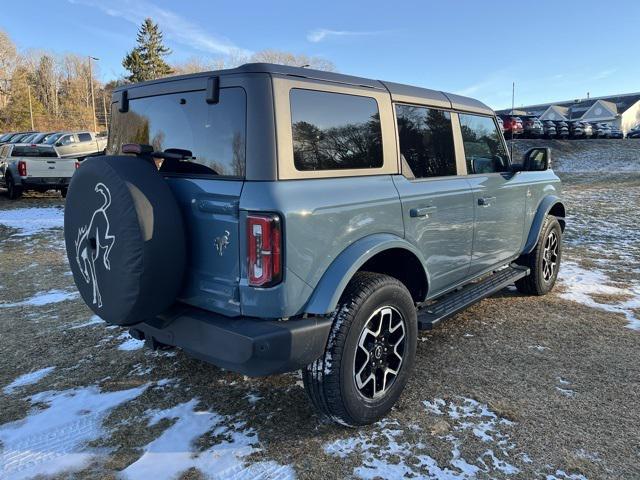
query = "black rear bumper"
{"x": 45, "y": 183}
{"x": 251, "y": 346}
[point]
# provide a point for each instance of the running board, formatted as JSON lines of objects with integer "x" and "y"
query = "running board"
{"x": 431, "y": 315}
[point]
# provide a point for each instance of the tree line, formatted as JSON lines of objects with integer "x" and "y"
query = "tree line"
{"x": 53, "y": 92}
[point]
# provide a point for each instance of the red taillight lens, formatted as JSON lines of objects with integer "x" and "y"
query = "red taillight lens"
{"x": 264, "y": 242}
{"x": 77, "y": 165}
{"x": 22, "y": 168}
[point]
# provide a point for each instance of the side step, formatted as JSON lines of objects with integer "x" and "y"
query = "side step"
{"x": 431, "y": 315}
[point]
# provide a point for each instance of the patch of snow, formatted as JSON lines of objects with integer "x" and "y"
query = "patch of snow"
{"x": 53, "y": 439}
{"x": 252, "y": 398}
{"x": 44, "y": 298}
{"x": 566, "y": 392}
{"x": 94, "y": 320}
{"x": 27, "y": 379}
{"x": 29, "y": 221}
{"x": 562, "y": 475}
{"x": 581, "y": 284}
{"x": 173, "y": 451}
{"x": 539, "y": 348}
{"x": 129, "y": 343}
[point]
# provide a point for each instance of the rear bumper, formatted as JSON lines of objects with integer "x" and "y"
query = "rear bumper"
{"x": 251, "y": 346}
{"x": 44, "y": 182}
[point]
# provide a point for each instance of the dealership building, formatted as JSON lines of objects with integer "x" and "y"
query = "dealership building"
{"x": 623, "y": 111}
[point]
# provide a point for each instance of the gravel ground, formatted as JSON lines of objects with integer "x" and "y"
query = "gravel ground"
{"x": 515, "y": 387}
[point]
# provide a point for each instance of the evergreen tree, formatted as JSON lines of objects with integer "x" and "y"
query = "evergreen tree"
{"x": 146, "y": 60}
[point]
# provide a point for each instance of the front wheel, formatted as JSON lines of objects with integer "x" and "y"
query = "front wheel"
{"x": 543, "y": 261}
{"x": 370, "y": 352}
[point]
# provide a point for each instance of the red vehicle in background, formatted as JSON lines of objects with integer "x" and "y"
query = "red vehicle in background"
{"x": 512, "y": 126}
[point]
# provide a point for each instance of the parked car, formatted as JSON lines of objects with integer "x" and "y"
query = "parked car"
{"x": 562, "y": 129}
{"x": 42, "y": 137}
{"x": 634, "y": 132}
{"x": 512, "y": 126}
{"x": 600, "y": 130}
{"x": 29, "y": 138}
{"x": 615, "y": 132}
{"x": 53, "y": 138}
{"x": 16, "y": 137}
{"x": 549, "y": 129}
{"x": 532, "y": 127}
{"x": 4, "y": 138}
{"x": 293, "y": 256}
{"x": 587, "y": 130}
{"x": 576, "y": 130}
{"x": 80, "y": 144}
{"x": 26, "y": 167}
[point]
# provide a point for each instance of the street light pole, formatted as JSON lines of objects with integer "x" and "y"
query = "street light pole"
{"x": 30, "y": 107}
{"x": 93, "y": 101}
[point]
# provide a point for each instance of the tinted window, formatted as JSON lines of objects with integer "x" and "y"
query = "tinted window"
{"x": 334, "y": 131}
{"x": 67, "y": 139}
{"x": 483, "y": 147}
{"x": 426, "y": 142}
{"x": 84, "y": 137}
{"x": 213, "y": 133}
{"x": 33, "y": 152}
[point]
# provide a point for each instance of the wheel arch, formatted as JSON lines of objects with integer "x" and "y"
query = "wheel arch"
{"x": 380, "y": 253}
{"x": 550, "y": 205}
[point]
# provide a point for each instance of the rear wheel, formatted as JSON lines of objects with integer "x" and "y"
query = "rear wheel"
{"x": 63, "y": 192}
{"x": 13, "y": 191}
{"x": 543, "y": 261}
{"x": 370, "y": 352}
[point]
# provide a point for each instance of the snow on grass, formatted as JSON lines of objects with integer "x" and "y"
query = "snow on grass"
{"x": 173, "y": 452}
{"x": 94, "y": 320}
{"x": 27, "y": 379}
{"x": 581, "y": 284}
{"x": 29, "y": 221}
{"x": 129, "y": 343}
{"x": 53, "y": 439}
{"x": 386, "y": 453}
{"x": 43, "y": 298}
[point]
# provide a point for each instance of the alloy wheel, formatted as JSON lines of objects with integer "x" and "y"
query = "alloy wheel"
{"x": 550, "y": 256}
{"x": 380, "y": 352}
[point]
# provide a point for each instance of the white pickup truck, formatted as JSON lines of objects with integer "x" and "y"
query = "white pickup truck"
{"x": 80, "y": 144}
{"x": 34, "y": 167}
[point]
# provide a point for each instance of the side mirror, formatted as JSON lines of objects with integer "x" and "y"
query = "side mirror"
{"x": 537, "y": 159}
{"x": 58, "y": 144}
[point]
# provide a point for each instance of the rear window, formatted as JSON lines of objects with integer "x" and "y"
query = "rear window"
{"x": 214, "y": 133}
{"x": 29, "y": 151}
{"x": 333, "y": 131}
{"x": 84, "y": 137}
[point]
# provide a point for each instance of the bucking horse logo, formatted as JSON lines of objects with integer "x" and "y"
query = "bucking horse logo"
{"x": 94, "y": 241}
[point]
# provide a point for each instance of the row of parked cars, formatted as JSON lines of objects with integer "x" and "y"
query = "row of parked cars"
{"x": 44, "y": 161}
{"x": 533, "y": 127}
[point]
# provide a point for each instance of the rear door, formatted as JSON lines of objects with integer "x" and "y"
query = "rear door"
{"x": 499, "y": 194}
{"x": 207, "y": 187}
{"x": 437, "y": 203}
{"x": 86, "y": 143}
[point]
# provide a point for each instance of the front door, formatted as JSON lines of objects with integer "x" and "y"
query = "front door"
{"x": 437, "y": 203}
{"x": 499, "y": 195}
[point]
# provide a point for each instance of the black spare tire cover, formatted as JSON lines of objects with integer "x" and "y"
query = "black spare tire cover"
{"x": 125, "y": 238}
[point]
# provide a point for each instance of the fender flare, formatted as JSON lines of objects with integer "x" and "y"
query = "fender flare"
{"x": 327, "y": 292}
{"x": 544, "y": 207}
{"x": 12, "y": 171}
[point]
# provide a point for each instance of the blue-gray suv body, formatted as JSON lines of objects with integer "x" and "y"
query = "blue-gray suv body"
{"x": 270, "y": 218}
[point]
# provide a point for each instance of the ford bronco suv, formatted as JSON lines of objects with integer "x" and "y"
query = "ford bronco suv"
{"x": 269, "y": 219}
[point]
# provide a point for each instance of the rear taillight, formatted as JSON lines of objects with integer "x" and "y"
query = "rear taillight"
{"x": 22, "y": 168}
{"x": 264, "y": 243}
{"x": 77, "y": 165}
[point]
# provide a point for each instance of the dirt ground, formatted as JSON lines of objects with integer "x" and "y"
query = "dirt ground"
{"x": 515, "y": 387}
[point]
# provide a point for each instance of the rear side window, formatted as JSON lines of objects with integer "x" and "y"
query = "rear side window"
{"x": 483, "y": 147}
{"x": 84, "y": 137}
{"x": 33, "y": 152}
{"x": 214, "y": 133}
{"x": 335, "y": 131}
{"x": 426, "y": 142}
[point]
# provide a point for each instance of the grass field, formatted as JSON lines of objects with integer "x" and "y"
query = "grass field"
{"x": 515, "y": 387}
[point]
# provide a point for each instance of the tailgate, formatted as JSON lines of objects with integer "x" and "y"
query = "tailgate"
{"x": 50, "y": 167}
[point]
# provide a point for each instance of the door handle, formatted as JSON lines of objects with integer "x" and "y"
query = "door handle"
{"x": 422, "y": 211}
{"x": 486, "y": 201}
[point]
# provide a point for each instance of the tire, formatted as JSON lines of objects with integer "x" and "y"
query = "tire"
{"x": 125, "y": 239}
{"x": 543, "y": 261}
{"x": 14, "y": 192}
{"x": 370, "y": 300}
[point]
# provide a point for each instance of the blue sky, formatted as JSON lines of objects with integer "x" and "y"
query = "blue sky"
{"x": 553, "y": 50}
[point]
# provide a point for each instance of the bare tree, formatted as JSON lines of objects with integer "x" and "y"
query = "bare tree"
{"x": 8, "y": 61}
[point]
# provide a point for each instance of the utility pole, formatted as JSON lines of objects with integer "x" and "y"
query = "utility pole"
{"x": 30, "y": 107}
{"x": 93, "y": 101}
{"x": 106, "y": 118}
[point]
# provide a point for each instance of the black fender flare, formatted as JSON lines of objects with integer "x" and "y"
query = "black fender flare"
{"x": 546, "y": 205}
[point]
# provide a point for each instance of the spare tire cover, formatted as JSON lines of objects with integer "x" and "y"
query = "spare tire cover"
{"x": 125, "y": 238}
